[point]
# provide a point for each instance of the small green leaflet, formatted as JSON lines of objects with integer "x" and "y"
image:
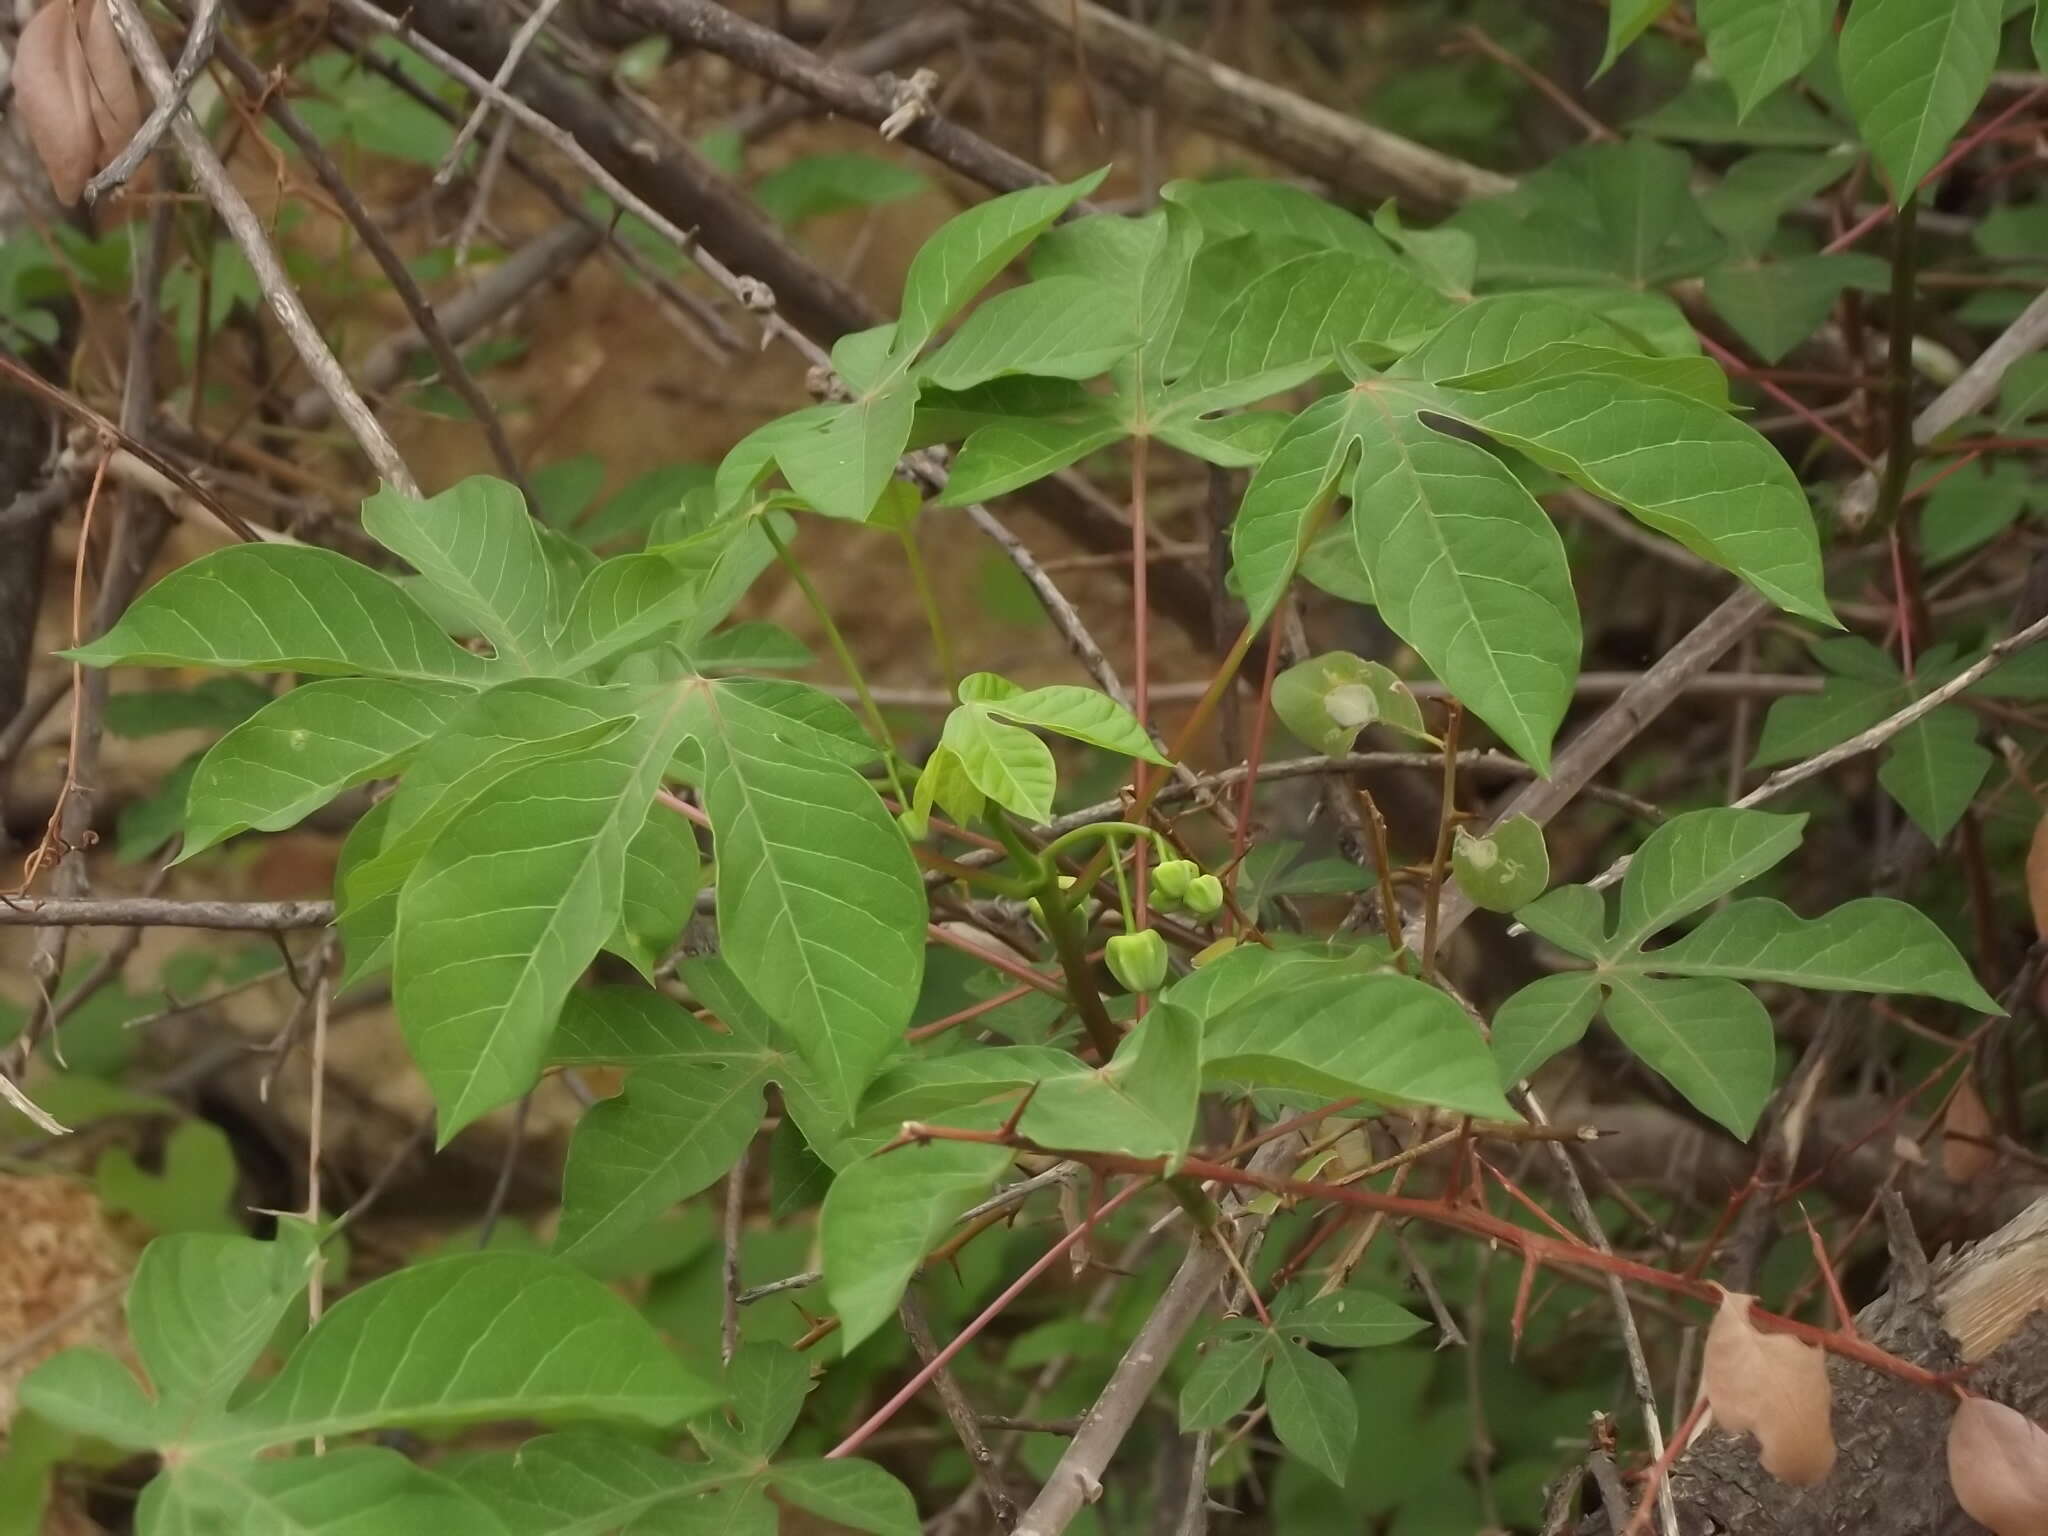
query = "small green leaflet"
{"x": 1913, "y": 71}
{"x": 1312, "y": 1409}
{"x": 1226, "y": 1377}
{"x": 477, "y": 545}
{"x": 1682, "y": 1008}
{"x": 1758, "y": 45}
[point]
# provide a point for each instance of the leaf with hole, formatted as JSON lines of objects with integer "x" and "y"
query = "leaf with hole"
{"x": 1329, "y": 699}
{"x": 1505, "y": 869}
{"x": 476, "y": 544}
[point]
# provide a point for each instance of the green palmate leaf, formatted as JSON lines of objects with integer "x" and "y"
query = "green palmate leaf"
{"x": 283, "y": 608}
{"x": 664, "y": 872}
{"x": 512, "y": 1335}
{"x": 820, "y": 909}
{"x": 883, "y": 1215}
{"x": 477, "y": 545}
{"x": 1935, "y": 769}
{"x": 298, "y": 752}
{"x": 1869, "y": 945}
{"x": 1328, "y": 700}
{"x": 765, "y": 1385}
{"x": 967, "y": 251}
{"x": 1774, "y": 306}
{"x": 1573, "y": 917}
{"x": 1083, "y": 714}
{"x": 754, "y": 645}
{"x": 1348, "y": 1320}
{"x": 1324, "y": 1028}
{"x": 1141, "y": 1104}
{"x": 1292, "y": 322}
{"x": 1627, "y": 20}
{"x": 1760, "y": 189}
{"x": 1225, "y": 1378}
{"x": 856, "y": 1494}
{"x": 90, "y": 1392}
{"x": 1273, "y": 210}
{"x": 999, "y": 458}
{"x": 1697, "y": 858}
{"x": 1504, "y": 328}
{"x": 1469, "y": 572}
{"x": 1707, "y": 1036}
{"x": 843, "y": 461}
{"x": 1005, "y": 763}
{"x": 1312, "y": 1409}
{"x": 202, "y": 1308}
{"x": 1060, "y": 327}
{"x": 1545, "y": 1017}
{"x": 356, "y": 1490}
{"x": 1288, "y": 497}
{"x": 1913, "y": 71}
{"x": 1970, "y": 508}
{"x": 1506, "y": 869}
{"x": 1697, "y": 378}
{"x": 1758, "y": 45}
{"x": 509, "y": 904}
{"x": 672, "y": 1132}
{"x": 1704, "y": 113}
{"x": 1800, "y": 725}
{"x": 582, "y": 1484}
{"x": 623, "y": 602}
{"x": 1682, "y": 467}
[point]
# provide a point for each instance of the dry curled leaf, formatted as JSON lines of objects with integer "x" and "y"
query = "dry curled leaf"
{"x": 76, "y": 95}
{"x": 1998, "y": 1466}
{"x": 1773, "y": 1387}
{"x": 1967, "y": 1150}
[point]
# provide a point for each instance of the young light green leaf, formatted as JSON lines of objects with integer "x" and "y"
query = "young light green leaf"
{"x": 1913, "y": 71}
{"x": 1468, "y": 571}
{"x": 968, "y": 250}
{"x": 882, "y": 1216}
{"x": 474, "y": 1336}
{"x": 1224, "y": 1380}
{"x": 508, "y": 905}
{"x": 1327, "y": 700}
{"x": 1328, "y": 1029}
{"x": 1084, "y": 714}
{"x": 1312, "y": 1409}
{"x": 945, "y": 782}
{"x": 1695, "y": 859}
{"x": 475, "y": 543}
{"x": 1545, "y": 1017}
{"x": 1697, "y": 378}
{"x": 664, "y": 872}
{"x": 1688, "y": 470}
{"x": 1004, "y": 762}
{"x": 672, "y": 1132}
{"x": 820, "y": 909}
{"x": 1573, "y": 917}
{"x": 843, "y": 460}
{"x": 855, "y": 1494}
{"x": 581, "y": 1483}
{"x": 1005, "y": 455}
{"x": 1058, "y": 327}
{"x": 283, "y": 608}
{"x": 1935, "y": 769}
{"x": 1348, "y": 1320}
{"x": 1707, "y": 1036}
{"x": 202, "y": 1308}
{"x": 1505, "y": 869}
{"x": 1757, "y": 45}
{"x": 298, "y": 752}
{"x": 1867, "y": 945}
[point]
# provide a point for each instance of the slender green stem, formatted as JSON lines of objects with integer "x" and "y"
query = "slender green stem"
{"x": 839, "y": 648}
{"x": 1123, "y": 891}
{"x": 1056, "y": 909}
{"x": 921, "y": 579}
{"x": 1108, "y": 832}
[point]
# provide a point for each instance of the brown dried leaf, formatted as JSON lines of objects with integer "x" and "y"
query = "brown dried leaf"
{"x": 1967, "y": 1152}
{"x": 1773, "y": 1387}
{"x": 116, "y": 109}
{"x": 2037, "y": 877}
{"x": 1998, "y": 1466}
{"x": 50, "y": 91}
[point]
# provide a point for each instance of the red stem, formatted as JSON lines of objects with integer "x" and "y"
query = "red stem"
{"x": 1962, "y": 147}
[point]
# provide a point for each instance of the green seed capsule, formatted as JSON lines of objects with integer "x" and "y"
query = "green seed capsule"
{"x": 1138, "y": 960}
{"x": 1170, "y": 882}
{"x": 1204, "y": 896}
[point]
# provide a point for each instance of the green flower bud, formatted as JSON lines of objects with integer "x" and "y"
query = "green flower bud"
{"x": 1204, "y": 896}
{"x": 1138, "y": 960}
{"x": 1170, "y": 882}
{"x": 1038, "y": 912}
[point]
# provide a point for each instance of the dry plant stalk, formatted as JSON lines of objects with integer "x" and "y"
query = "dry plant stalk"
{"x": 1772, "y": 1387}
{"x": 1998, "y": 1466}
{"x": 76, "y": 93}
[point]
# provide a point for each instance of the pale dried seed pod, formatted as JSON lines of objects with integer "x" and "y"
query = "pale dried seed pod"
{"x": 1773, "y": 1387}
{"x": 116, "y": 108}
{"x": 1967, "y": 1133}
{"x": 1998, "y": 1466}
{"x": 50, "y": 91}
